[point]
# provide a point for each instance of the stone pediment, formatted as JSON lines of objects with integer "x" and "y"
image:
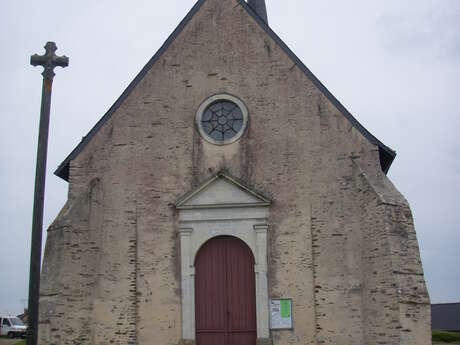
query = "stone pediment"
{"x": 221, "y": 191}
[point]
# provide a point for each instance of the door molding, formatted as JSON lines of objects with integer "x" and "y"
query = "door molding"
{"x": 223, "y": 208}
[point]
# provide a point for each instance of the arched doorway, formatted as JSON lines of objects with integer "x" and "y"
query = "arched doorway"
{"x": 225, "y": 298}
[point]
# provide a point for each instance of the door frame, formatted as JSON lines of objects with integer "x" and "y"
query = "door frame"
{"x": 196, "y": 227}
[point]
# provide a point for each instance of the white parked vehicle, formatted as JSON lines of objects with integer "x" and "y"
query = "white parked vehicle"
{"x": 12, "y": 327}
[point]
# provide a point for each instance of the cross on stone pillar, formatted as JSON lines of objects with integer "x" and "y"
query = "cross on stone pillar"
{"x": 49, "y": 61}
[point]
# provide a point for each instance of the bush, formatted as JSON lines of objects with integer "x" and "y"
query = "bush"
{"x": 446, "y": 337}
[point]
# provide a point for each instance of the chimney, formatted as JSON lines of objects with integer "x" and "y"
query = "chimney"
{"x": 259, "y": 7}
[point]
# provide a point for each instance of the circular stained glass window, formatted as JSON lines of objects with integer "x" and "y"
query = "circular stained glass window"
{"x": 222, "y": 119}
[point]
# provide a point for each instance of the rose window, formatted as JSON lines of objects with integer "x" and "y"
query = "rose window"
{"x": 222, "y": 119}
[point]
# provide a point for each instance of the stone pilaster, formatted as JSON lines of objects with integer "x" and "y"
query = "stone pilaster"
{"x": 187, "y": 285}
{"x": 261, "y": 281}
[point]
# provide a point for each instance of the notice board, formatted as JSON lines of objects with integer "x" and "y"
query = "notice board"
{"x": 281, "y": 313}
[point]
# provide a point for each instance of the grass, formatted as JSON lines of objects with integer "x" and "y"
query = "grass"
{"x": 446, "y": 337}
{"x": 22, "y": 342}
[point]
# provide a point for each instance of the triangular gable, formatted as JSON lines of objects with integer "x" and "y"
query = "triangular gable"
{"x": 221, "y": 191}
{"x": 387, "y": 155}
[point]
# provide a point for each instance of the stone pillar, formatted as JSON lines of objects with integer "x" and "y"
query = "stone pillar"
{"x": 263, "y": 331}
{"x": 187, "y": 285}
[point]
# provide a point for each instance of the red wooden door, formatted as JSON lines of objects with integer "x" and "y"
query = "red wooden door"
{"x": 225, "y": 300}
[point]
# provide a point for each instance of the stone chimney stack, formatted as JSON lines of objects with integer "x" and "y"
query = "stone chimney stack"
{"x": 259, "y": 7}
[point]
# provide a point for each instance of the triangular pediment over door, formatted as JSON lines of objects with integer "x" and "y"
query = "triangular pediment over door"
{"x": 221, "y": 191}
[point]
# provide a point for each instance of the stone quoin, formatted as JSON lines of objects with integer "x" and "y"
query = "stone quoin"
{"x": 224, "y": 177}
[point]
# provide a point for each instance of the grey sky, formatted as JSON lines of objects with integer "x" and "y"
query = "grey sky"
{"x": 394, "y": 64}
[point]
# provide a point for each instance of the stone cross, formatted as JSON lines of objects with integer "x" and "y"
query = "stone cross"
{"x": 48, "y": 61}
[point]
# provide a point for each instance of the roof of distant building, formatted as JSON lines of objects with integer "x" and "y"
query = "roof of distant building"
{"x": 445, "y": 316}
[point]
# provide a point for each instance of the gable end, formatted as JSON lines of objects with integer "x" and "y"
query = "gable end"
{"x": 386, "y": 154}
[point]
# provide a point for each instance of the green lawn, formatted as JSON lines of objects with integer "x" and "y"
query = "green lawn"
{"x": 22, "y": 342}
{"x": 446, "y": 337}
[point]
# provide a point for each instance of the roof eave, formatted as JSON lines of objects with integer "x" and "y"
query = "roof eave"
{"x": 386, "y": 154}
{"x": 62, "y": 170}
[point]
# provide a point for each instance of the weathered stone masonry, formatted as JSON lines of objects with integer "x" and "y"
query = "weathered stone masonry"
{"x": 341, "y": 239}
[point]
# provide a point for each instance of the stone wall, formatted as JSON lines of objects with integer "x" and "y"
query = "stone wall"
{"x": 349, "y": 261}
{"x": 393, "y": 249}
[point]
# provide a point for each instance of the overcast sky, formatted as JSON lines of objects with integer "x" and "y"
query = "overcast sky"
{"x": 394, "y": 64}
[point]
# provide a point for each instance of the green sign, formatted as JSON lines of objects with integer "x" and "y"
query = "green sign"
{"x": 285, "y": 305}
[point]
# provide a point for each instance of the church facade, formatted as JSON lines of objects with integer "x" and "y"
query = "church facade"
{"x": 227, "y": 197}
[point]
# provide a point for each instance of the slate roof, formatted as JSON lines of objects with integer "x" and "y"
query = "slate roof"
{"x": 445, "y": 316}
{"x": 387, "y": 155}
